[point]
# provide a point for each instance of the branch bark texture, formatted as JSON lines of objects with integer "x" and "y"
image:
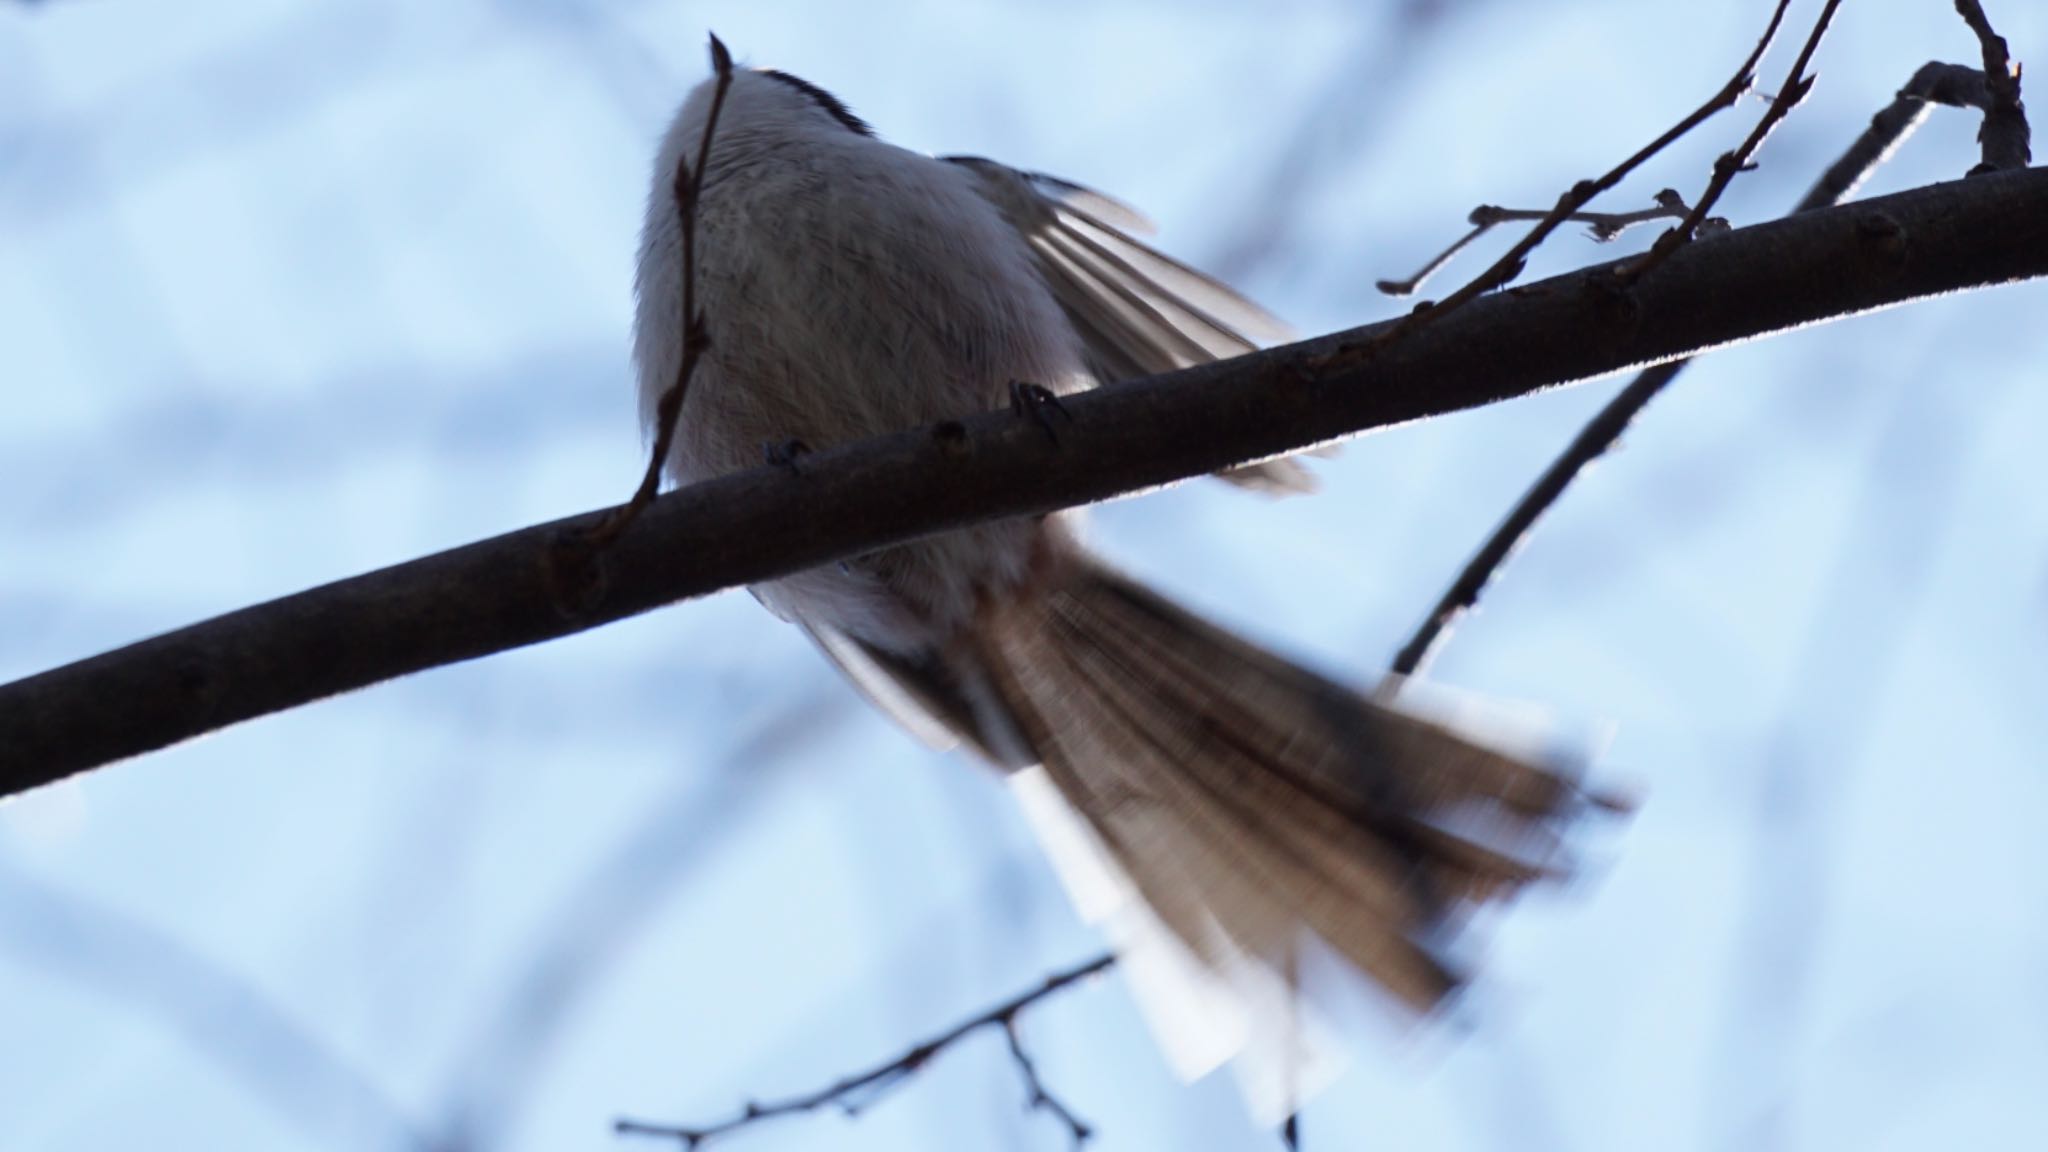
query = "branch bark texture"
{"x": 542, "y": 582}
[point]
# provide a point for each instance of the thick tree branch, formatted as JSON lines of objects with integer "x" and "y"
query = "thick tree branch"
{"x": 535, "y": 584}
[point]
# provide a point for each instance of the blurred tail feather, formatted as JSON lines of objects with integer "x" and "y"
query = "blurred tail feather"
{"x": 1248, "y": 801}
{"x": 1218, "y": 809}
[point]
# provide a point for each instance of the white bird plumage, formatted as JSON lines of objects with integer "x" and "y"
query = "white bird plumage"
{"x": 1214, "y": 804}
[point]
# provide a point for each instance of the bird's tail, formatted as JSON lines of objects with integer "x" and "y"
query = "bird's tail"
{"x": 1248, "y": 804}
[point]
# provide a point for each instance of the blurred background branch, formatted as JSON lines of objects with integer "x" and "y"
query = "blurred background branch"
{"x": 573, "y": 953}
{"x": 272, "y": 1055}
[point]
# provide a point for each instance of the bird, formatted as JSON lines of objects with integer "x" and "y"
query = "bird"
{"x": 1221, "y": 807}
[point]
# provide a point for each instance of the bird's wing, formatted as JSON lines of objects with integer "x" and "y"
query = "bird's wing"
{"x": 1138, "y": 312}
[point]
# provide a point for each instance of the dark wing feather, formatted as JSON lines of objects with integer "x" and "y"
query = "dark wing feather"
{"x": 938, "y": 703}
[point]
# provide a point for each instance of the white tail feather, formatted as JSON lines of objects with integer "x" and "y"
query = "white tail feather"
{"x": 1239, "y": 1011}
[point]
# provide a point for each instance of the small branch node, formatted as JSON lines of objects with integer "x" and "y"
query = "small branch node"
{"x": 1040, "y": 404}
{"x": 785, "y": 454}
{"x": 951, "y": 437}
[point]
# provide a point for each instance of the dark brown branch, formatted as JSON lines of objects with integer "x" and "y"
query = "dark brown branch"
{"x": 1934, "y": 83}
{"x": 2004, "y": 134}
{"x": 518, "y": 589}
{"x": 855, "y": 1093}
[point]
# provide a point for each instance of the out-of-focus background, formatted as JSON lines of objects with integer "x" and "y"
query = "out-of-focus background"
{"x": 293, "y": 290}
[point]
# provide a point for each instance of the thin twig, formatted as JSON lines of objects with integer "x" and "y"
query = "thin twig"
{"x": 1510, "y": 265}
{"x": 1603, "y": 226}
{"x": 2004, "y": 133}
{"x": 1933, "y": 83}
{"x": 854, "y": 1094}
{"x": 1039, "y": 1098}
{"x": 1797, "y": 84}
{"x": 688, "y": 190}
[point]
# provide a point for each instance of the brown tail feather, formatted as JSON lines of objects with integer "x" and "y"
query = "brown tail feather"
{"x": 1249, "y": 799}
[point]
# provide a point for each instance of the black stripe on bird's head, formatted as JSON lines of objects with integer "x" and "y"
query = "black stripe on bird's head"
{"x": 832, "y": 105}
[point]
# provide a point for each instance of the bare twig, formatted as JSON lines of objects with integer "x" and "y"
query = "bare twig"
{"x": 1797, "y": 84}
{"x": 1933, "y": 83}
{"x": 1510, "y": 265}
{"x": 1603, "y": 226}
{"x": 851, "y": 499}
{"x": 1039, "y": 1098}
{"x": 854, "y": 1094}
{"x": 688, "y": 189}
{"x": 2004, "y": 134}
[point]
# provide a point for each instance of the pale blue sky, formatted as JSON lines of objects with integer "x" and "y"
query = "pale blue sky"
{"x": 289, "y": 291}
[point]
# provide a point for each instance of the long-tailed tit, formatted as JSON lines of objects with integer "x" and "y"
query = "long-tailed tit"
{"x": 1216, "y": 803}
